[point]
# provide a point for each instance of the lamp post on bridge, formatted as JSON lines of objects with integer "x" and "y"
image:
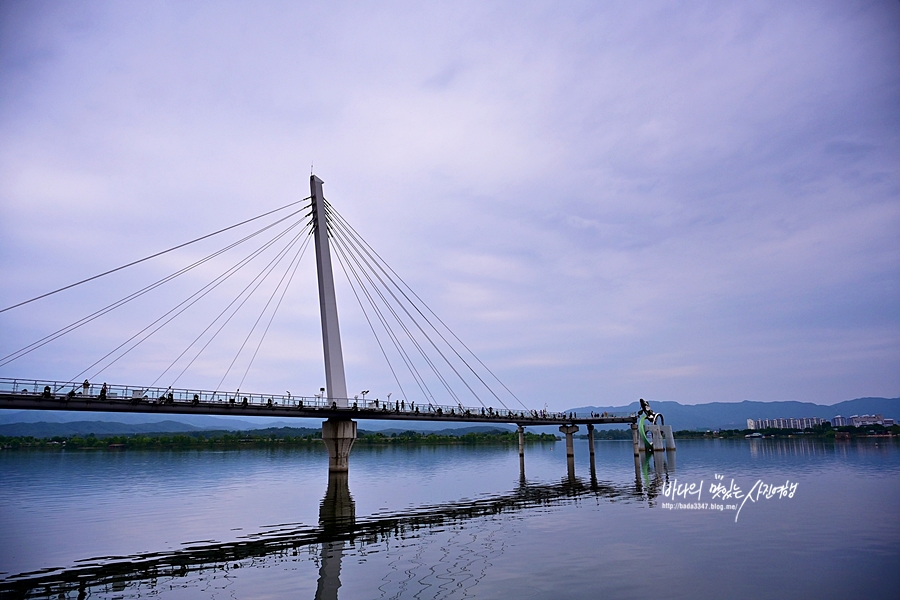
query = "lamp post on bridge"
{"x": 338, "y": 434}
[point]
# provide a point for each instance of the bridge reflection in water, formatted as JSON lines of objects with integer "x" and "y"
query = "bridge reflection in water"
{"x": 338, "y": 529}
{"x": 337, "y": 519}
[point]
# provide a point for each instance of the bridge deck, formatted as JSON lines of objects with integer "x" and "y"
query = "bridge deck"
{"x": 94, "y": 404}
{"x": 51, "y": 395}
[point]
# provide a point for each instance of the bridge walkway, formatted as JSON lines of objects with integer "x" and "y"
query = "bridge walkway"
{"x": 35, "y": 394}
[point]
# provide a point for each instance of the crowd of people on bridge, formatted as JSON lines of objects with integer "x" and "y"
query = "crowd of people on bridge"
{"x": 398, "y": 406}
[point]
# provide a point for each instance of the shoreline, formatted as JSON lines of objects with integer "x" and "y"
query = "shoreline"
{"x": 217, "y": 440}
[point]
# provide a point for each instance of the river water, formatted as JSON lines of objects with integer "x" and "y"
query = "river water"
{"x": 815, "y": 519}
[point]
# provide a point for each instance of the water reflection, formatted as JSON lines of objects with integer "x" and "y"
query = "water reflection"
{"x": 670, "y": 461}
{"x": 337, "y": 520}
{"x": 648, "y": 482}
{"x": 338, "y": 529}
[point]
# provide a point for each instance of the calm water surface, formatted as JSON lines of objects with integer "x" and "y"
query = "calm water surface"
{"x": 452, "y": 522}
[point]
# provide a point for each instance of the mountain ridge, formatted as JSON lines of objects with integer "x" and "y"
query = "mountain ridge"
{"x": 734, "y": 415}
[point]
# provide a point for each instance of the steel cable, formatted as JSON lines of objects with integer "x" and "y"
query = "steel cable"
{"x": 272, "y": 317}
{"x": 374, "y": 333}
{"x": 296, "y": 258}
{"x": 406, "y": 329}
{"x": 385, "y": 267}
{"x": 421, "y": 330}
{"x": 134, "y": 295}
{"x": 278, "y": 257}
{"x": 146, "y": 258}
{"x": 196, "y": 296}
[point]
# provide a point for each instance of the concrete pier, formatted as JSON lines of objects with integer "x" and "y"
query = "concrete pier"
{"x": 656, "y": 436}
{"x": 338, "y": 435}
{"x": 669, "y": 437}
{"x": 590, "y": 429}
{"x": 521, "y": 431}
{"x": 636, "y": 441}
{"x": 569, "y": 430}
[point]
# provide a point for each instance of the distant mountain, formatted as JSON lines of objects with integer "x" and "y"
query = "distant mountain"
{"x": 267, "y": 431}
{"x": 98, "y": 428}
{"x": 108, "y": 428}
{"x": 734, "y": 415}
{"x": 235, "y": 423}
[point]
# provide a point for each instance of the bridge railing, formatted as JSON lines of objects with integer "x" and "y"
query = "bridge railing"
{"x": 147, "y": 394}
{"x": 154, "y": 395}
{"x": 448, "y": 410}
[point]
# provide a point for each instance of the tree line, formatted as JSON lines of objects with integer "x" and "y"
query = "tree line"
{"x": 820, "y": 431}
{"x": 258, "y": 438}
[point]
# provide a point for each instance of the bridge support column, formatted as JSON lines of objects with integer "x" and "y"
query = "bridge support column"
{"x": 338, "y": 436}
{"x": 659, "y": 445}
{"x": 669, "y": 437}
{"x": 590, "y": 429}
{"x": 569, "y": 430}
{"x": 521, "y": 431}
{"x": 635, "y": 439}
{"x": 670, "y": 447}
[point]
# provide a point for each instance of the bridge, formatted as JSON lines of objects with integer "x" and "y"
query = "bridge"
{"x": 392, "y": 305}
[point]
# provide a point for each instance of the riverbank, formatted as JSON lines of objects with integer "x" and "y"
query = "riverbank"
{"x": 826, "y": 432}
{"x": 283, "y": 436}
{"x": 288, "y": 436}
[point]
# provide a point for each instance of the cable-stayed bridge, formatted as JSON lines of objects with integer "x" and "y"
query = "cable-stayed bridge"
{"x": 438, "y": 377}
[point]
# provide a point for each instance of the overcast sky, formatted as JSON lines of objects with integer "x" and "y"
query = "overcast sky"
{"x": 677, "y": 201}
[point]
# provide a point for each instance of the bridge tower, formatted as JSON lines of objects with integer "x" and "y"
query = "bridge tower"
{"x": 338, "y": 434}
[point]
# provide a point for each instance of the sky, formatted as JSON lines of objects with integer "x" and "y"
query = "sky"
{"x": 693, "y": 202}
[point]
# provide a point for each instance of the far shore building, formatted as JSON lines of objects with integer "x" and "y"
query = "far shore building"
{"x": 810, "y": 422}
{"x": 861, "y": 421}
{"x": 801, "y": 423}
